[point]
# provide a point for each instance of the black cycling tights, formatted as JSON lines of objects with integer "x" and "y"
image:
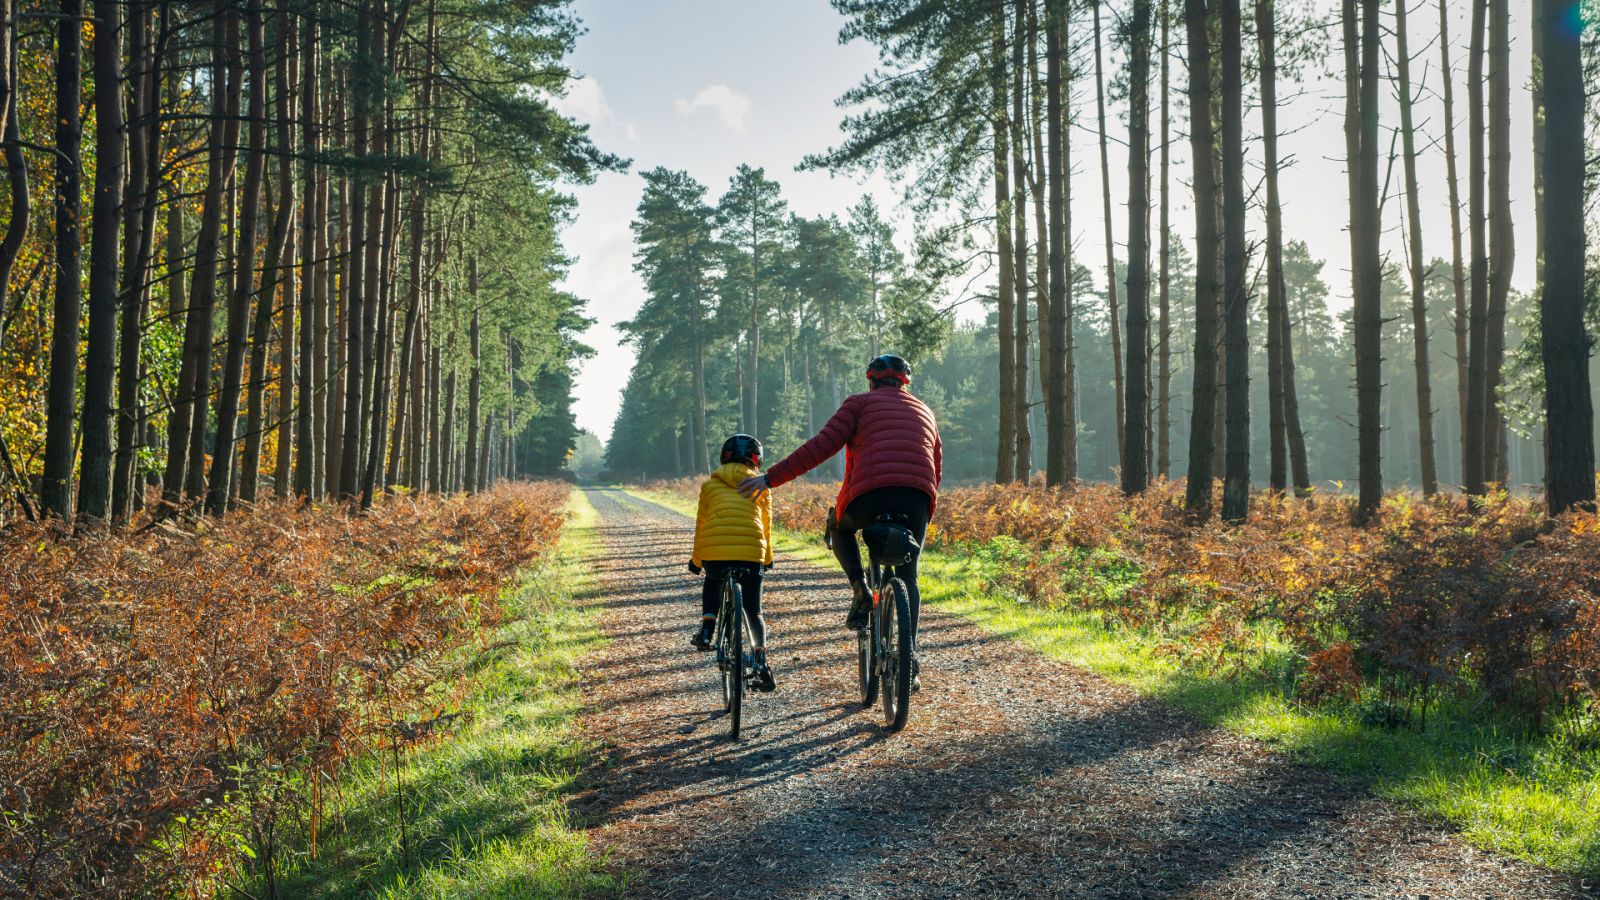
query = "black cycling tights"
{"x": 865, "y": 510}
{"x": 749, "y": 589}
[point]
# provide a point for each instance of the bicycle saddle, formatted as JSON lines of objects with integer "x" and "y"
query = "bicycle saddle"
{"x": 890, "y": 544}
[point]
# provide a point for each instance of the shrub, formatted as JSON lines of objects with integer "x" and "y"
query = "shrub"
{"x": 166, "y": 694}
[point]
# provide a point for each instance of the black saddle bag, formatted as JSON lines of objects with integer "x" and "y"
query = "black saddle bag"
{"x": 889, "y": 544}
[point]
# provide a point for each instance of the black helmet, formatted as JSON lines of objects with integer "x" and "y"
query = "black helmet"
{"x": 889, "y": 366}
{"x": 742, "y": 446}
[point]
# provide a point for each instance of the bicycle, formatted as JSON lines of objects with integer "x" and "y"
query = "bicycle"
{"x": 884, "y": 648}
{"x": 734, "y": 661}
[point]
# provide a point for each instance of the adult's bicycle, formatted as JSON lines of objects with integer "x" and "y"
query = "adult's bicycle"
{"x": 885, "y": 647}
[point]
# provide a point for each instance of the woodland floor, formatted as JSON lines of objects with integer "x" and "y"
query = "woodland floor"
{"x": 1017, "y": 776}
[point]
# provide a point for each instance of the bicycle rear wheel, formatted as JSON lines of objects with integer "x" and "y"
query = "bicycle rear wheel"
{"x": 733, "y": 657}
{"x": 894, "y": 628}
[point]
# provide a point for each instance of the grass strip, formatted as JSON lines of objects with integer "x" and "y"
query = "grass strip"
{"x": 1534, "y": 796}
{"x": 482, "y": 813}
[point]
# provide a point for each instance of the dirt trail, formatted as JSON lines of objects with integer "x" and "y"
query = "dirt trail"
{"x": 1016, "y": 776}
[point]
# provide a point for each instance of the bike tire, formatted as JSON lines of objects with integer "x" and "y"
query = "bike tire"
{"x": 733, "y": 671}
{"x": 894, "y": 616}
{"x": 867, "y": 663}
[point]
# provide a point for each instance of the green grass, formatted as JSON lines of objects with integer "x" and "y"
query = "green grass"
{"x": 484, "y": 809}
{"x": 1535, "y": 796}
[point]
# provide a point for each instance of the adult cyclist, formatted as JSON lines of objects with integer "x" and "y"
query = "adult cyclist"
{"x": 892, "y": 465}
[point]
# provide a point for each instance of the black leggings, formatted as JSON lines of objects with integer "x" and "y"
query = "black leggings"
{"x": 749, "y": 575}
{"x": 865, "y": 510}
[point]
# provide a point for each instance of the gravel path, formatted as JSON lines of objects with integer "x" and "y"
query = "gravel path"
{"x": 1017, "y": 776}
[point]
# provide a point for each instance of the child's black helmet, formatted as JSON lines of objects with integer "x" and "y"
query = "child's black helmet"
{"x": 742, "y": 446}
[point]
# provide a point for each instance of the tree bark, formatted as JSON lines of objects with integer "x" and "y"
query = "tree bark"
{"x": 100, "y": 355}
{"x": 1021, "y": 383}
{"x": 61, "y": 393}
{"x": 1458, "y": 273}
{"x": 186, "y": 426}
{"x": 1164, "y": 340}
{"x": 1006, "y": 452}
{"x": 1569, "y": 410}
{"x": 1474, "y": 440}
{"x": 1235, "y": 265}
{"x": 311, "y": 297}
{"x": 475, "y": 380}
{"x": 356, "y": 305}
{"x": 1198, "y": 491}
{"x": 1135, "y": 422}
{"x": 1277, "y": 301}
{"x": 1419, "y": 302}
{"x": 1040, "y": 189}
{"x": 1056, "y": 414}
{"x": 138, "y": 218}
{"x": 1361, "y": 140}
{"x": 1111, "y": 256}
{"x": 16, "y": 166}
{"x": 1502, "y": 238}
{"x": 222, "y": 454}
{"x": 277, "y": 270}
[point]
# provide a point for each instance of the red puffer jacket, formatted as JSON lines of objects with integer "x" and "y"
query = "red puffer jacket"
{"x": 890, "y": 440}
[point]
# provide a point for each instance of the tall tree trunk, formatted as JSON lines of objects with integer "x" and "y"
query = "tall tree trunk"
{"x": 1056, "y": 414}
{"x": 1502, "y": 238}
{"x": 475, "y": 380}
{"x": 1569, "y": 410}
{"x": 383, "y": 355}
{"x": 1040, "y": 189}
{"x": 1197, "y": 500}
{"x": 1235, "y": 265}
{"x": 1277, "y": 301}
{"x": 1475, "y": 475}
{"x": 277, "y": 270}
{"x": 1540, "y": 138}
{"x": 16, "y": 166}
{"x": 61, "y": 397}
{"x": 138, "y": 218}
{"x": 1006, "y": 452}
{"x": 1135, "y": 474}
{"x": 356, "y": 305}
{"x": 100, "y": 355}
{"x": 1419, "y": 302}
{"x": 1021, "y": 383}
{"x": 1164, "y": 340}
{"x": 222, "y": 454}
{"x": 1458, "y": 270}
{"x": 186, "y": 431}
{"x": 1361, "y": 140}
{"x": 312, "y": 299}
{"x": 1111, "y": 256}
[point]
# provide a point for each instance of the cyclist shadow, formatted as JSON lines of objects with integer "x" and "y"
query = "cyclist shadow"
{"x": 719, "y": 767}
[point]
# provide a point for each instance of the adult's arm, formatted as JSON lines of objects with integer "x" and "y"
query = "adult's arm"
{"x": 830, "y": 440}
{"x": 938, "y": 458}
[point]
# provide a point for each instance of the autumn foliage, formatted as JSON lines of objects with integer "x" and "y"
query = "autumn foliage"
{"x": 167, "y": 695}
{"x": 1435, "y": 596}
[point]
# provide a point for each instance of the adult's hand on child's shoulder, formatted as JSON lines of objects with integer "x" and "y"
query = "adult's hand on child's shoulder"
{"x": 754, "y": 486}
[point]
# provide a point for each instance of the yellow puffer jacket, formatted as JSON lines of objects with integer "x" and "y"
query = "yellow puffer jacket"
{"x": 731, "y": 527}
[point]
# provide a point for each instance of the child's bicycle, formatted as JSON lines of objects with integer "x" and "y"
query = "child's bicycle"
{"x": 884, "y": 649}
{"x": 734, "y": 659}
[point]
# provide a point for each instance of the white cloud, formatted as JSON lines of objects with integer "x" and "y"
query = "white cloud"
{"x": 731, "y": 106}
{"x": 585, "y": 101}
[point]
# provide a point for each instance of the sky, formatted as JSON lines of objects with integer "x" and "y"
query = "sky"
{"x": 704, "y": 85}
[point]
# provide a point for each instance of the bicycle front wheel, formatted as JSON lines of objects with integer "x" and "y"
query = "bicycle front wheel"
{"x": 867, "y": 663}
{"x": 894, "y": 629}
{"x": 733, "y": 665}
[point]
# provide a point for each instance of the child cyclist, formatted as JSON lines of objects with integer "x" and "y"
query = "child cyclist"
{"x": 729, "y": 529}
